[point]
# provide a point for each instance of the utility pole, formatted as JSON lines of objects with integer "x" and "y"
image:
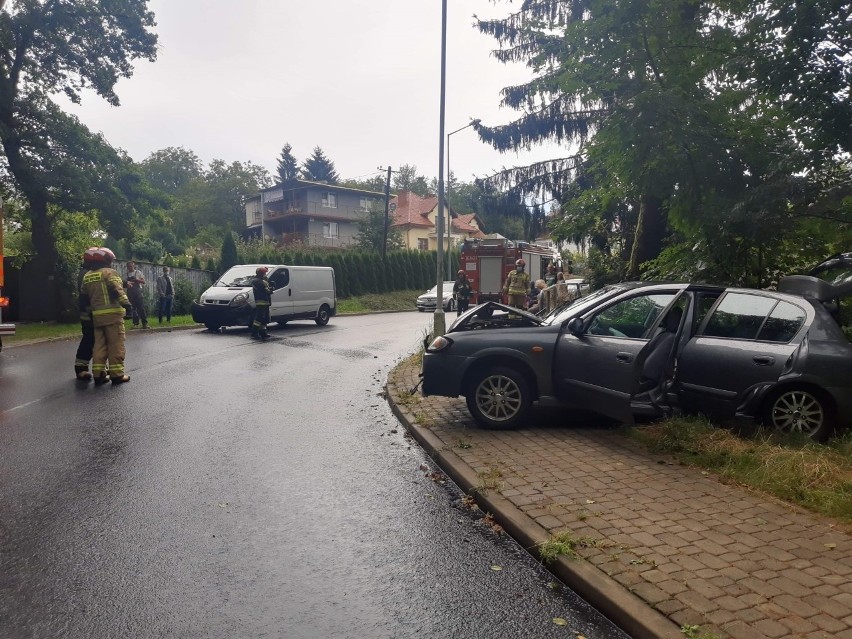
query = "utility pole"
{"x": 387, "y": 208}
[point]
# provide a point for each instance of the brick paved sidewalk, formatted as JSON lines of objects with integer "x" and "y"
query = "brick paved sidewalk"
{"x": 701, "y": 553}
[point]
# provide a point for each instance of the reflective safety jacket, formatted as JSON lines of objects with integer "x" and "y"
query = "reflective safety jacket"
{"x": 107, "y": 298}
{"x": 517, "y": 283}
{"x": 83, "y": 298}
{"x": 262, "y": 290}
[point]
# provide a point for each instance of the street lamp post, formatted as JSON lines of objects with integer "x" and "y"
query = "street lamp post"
{"x": 449, "y": 185}
{"x": 439, "y": 322}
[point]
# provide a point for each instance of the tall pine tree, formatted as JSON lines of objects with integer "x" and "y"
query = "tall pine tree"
{"x": 288, "y": 166}
{"x": 318, "y": 168}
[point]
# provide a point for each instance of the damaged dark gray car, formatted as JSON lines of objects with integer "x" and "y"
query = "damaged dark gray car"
{"x": 647, "y": 349}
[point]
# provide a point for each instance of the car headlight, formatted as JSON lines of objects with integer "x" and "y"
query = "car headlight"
{"x": 439, "y": 344}
{"x": 241, "y": 299}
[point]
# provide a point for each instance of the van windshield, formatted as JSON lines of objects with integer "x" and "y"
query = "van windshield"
{"x": 237, "y": 276}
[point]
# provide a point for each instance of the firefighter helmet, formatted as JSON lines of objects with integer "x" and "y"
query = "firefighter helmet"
{"x": 261, "y": 270}
{"x": 90, "y": 256}
{"x": 521, "y": 262}
{"x": 98, "y": 256}
{"x": 461, "y": 272}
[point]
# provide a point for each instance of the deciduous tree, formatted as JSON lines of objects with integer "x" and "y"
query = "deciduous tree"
{"x": 48, "y": 47}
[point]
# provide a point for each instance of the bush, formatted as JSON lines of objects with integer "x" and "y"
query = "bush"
{"x": 184, "y": 295}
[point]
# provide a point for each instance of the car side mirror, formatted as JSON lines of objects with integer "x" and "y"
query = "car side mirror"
{"x": 575, "y": 326}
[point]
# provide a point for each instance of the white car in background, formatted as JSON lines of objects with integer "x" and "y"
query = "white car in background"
{"x": 427, "y": 301}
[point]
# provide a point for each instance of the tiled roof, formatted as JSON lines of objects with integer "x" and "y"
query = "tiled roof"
{"x": 413, "y": 210}
{"x": 463, "y": 223}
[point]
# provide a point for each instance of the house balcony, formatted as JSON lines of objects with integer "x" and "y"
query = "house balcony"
{"x": 317, "y": 211}
{"x": 314, "y": 239}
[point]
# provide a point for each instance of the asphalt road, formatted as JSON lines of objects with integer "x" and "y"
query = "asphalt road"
{"x": 244, "y": 489}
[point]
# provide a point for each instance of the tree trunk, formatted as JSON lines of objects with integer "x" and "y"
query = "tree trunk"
{"x": 650, "y": 232}
{"x": 43, "y": 238}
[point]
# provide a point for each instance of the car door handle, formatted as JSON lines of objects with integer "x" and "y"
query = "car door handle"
{"x": 289, "y": 292}
{"x": 624, "y": 357}
{"x": 763, "y": 360}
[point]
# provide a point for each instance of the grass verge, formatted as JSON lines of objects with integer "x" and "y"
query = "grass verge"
{"x": 815, "y": 476}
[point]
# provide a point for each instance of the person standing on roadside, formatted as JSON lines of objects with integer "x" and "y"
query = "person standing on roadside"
{"x": 108, "y": 301}
{"x": 550, "y": 277}
{"x": 461, "y": 291}
{"x": 262, "y": 290}
{"x": 87, "y": 329}
{"x": 135, "y": 282}
{"x": 517, "y": 284}
{"x": 165, "y": 296}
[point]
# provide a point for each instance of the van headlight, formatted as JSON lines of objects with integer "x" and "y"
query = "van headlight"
{"x": 241, "y": 299}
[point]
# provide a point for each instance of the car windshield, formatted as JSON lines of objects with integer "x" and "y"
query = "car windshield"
{"x": 448, "y": 287}
{"x": 237, "y": 276}
{"x": 576, "y": 307}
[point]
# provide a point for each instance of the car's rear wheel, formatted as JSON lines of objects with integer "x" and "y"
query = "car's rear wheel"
{"x": 323, "y": 315}
{"x": 451, "y": 306}
{"x": 499, "y": 397}
{"x": 799, "y": 410}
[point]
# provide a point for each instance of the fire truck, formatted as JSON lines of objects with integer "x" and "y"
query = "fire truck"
{"x": 488, "y": 261}
{"x": 5, "y": 329}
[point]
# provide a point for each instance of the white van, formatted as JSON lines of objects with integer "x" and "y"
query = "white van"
{"x": 300, "y": 292}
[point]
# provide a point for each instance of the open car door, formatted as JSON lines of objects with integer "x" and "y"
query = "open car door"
{"x": 600, "y": 358}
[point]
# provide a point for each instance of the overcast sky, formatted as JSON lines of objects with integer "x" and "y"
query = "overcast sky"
{"x": 236, "y": 79}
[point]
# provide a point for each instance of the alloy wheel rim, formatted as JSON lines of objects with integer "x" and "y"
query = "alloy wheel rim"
{"x": 797, "y": 412}
{"x": 499, "y": 398}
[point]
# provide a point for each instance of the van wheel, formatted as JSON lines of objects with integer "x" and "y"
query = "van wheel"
{"x": 213, "y": 328}
{"x": 323, "y": 315}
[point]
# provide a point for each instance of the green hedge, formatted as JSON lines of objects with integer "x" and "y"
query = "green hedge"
{"x": 356, "y": 272}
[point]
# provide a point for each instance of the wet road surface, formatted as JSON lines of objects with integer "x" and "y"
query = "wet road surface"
{"x": 244, "y": 489}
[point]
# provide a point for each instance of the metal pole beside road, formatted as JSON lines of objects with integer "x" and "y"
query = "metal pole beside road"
{"x": 439, "y": 324}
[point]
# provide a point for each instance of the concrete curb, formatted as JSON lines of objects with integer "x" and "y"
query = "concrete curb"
{"x": 622, "y": 607}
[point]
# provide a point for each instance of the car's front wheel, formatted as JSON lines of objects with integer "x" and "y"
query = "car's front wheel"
{"x": 451, "y": 306}
{"x": 799, "y": 410}
{"x": 499, "y": 397}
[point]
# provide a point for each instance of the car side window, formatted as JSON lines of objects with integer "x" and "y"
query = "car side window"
{"x": 783, "y": 323}
{"x": 280, "y": 278}
{"x": 633, "y": 317}
{"x": 739, "y": 316}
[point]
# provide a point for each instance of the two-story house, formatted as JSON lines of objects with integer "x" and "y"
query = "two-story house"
{"x": 415, "y": 218}
{"x": 312, "y": 213}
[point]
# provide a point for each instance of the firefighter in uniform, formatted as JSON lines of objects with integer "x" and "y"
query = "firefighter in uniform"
{"x": 262, "y": 290}
{"x": 461, "y": 291}
{"x": 517, "y": 284}
{"x": 87, "y": 329}
{"x": 108, "y": 302}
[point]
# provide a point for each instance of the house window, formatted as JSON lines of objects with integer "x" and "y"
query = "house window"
{"x": 329, "y": 229}
{"x": 329, "y": 200}
{"x": 422, "y": 243}
{"x": 367, "y": 203}
{"x": 257, "y": 217}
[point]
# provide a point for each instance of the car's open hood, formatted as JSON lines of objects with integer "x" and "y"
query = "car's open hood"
{"x": 494, "y": 315}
